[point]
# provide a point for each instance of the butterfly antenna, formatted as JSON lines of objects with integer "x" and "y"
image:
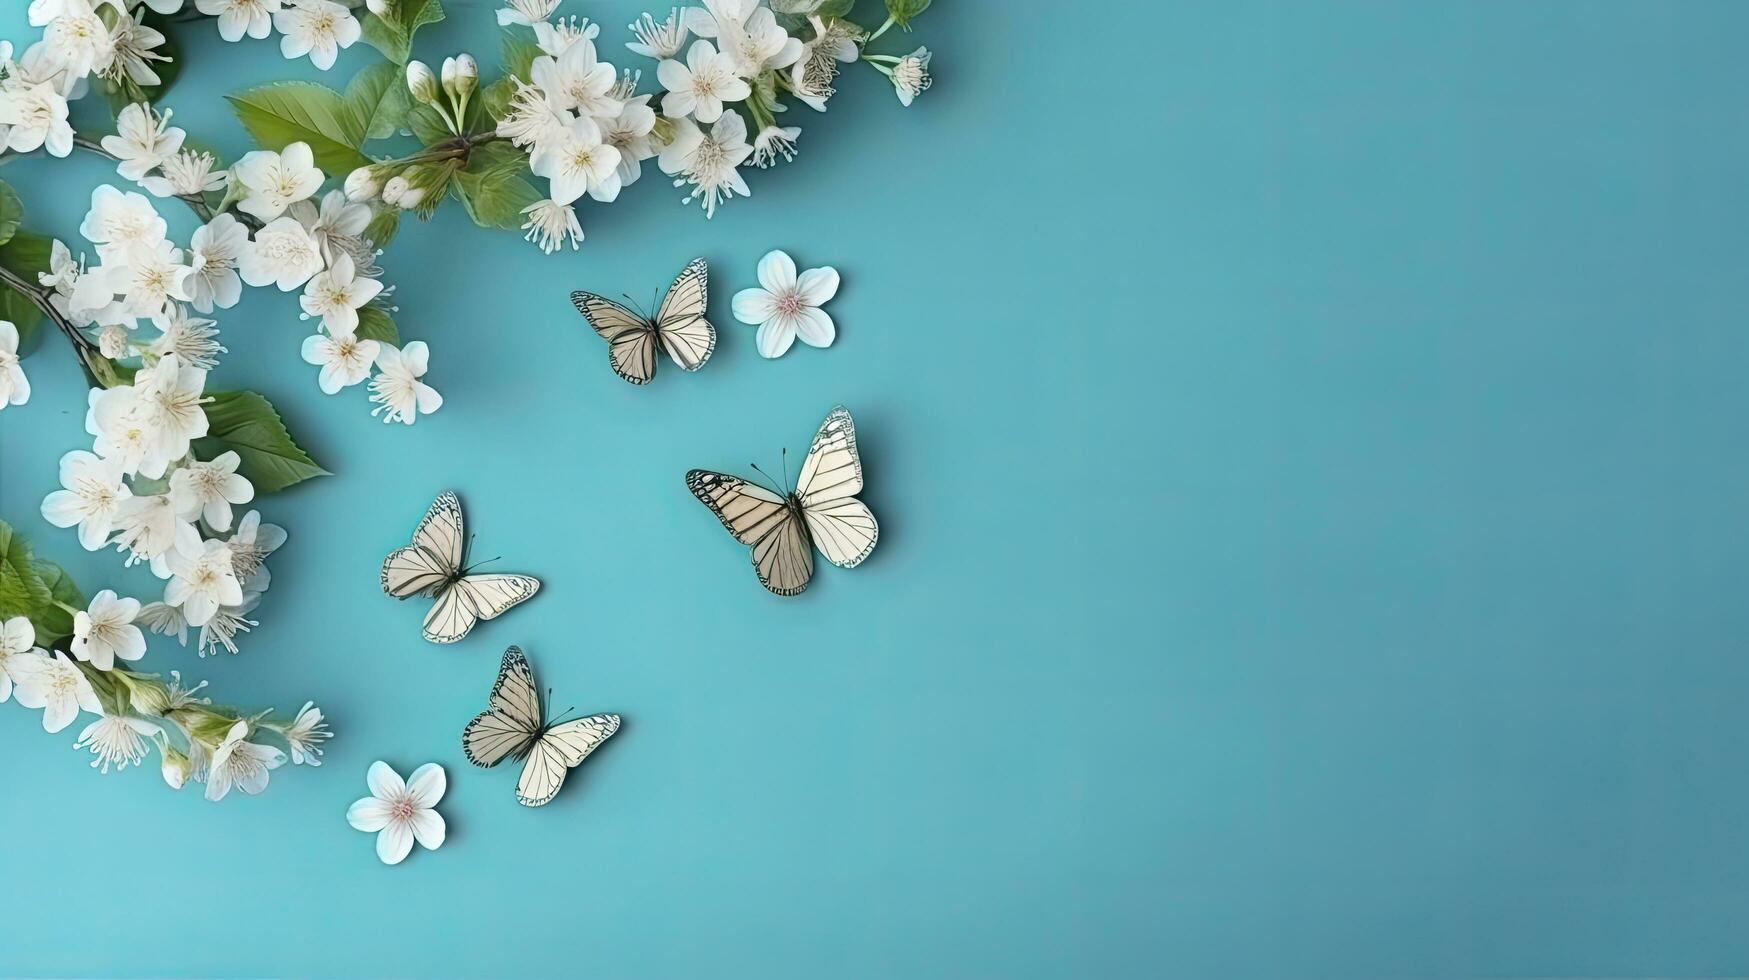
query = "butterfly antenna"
{"x": 785, "y": 458}
{"x": 761, "y": 472}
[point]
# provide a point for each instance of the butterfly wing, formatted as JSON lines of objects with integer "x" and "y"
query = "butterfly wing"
{"x": 512, "y": 719}
{"x": 686, "y": 335}
{"x": 843, "y": 528}
{"x": 556, "y": 751}
{"x": 631, "y": 340}
{"x": 473, "y": 598}
{"x": 435, "y": 554}
{"x": 763, "y": 520}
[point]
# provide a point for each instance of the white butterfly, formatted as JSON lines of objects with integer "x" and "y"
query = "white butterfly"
{"x": 513, "y": 726}
{"x": 433, "y": 566}
{"x": 679, "y": 324}
{"x": 822, "y": 511}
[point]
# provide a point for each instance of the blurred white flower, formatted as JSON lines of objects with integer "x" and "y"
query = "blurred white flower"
{"x": 276, "y": 181}
{"x": 556, "y": 38}
{"x": 531, "y": 120}
{"x": 911, "y": 75}
{"x": 318, "y": 28}
{"x": 17, "y": 636}
{"x": 34, "y": 115}
{"x": 202, "y": 581}
{"x": 629, "y": 133}
{"x": 208, "y": 490}
{"x": 117, "y": 740}
{"x": 135, "y": 46}
{"x": 170, "y": 399}
{"x": 239, "y": 17}
{"x": 186, "y": 174}
{"x": 92, "y": 495}
{"x": 397, "y": 390}
{"x": 284, "y": 253}
{"x": 550, "y": 223}
{"x": 773, "y": 142}
{"x": 150, "y": 530}
{"x": 143, "y": 140}
{"x": 362, "y": 185}
{"x": 345, "y": 360}
{"x": 526, "y": 12}
{"x": 658, "y": 39}
{"x": 250, "y": 546}
{"x": 812, "y": 74}
{"x": 54, "y": 684}
{"x": 337, "y": 224}
{"x": 401, "y": 812}
{"x": 787, "y": 306}
{"x": 192, "y": 339}
{"x": 117, "y": 221}
{"x": 335, "y": 297}
{"x": 222, "y": 629}
{"x": 748, "y": 33}
{"x": 215, "y": 252}
{"x": 14, "y": 386}
{"x": 148, "y": 276}
{"x": 701, "y": 86}
{"x": 708, "y": 162}
{"x": 77, "y": 39}
{"x": 240, "y": 763}
{"x": 305, "y": 735}
{"x": 164, "y": 620}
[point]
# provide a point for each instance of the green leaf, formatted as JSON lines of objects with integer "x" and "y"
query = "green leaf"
{"x": 11, "y": 212}
{"x": 393, "y": 35}
{"x": 427, "y": 124}
{"x": 495, "y": 198}
{"x": 22, "y": 589}
{"x": 374, "y": 323}
{"x": 903, "y": 10}
{"x": 517, "y": 51}
{"x": 51, "y": 621}
{"x": 247, "y": 423}
{"x": 282, "y": 113}
{"x": 494, "y": 99}
{"x": 378, "y": 100}
{"x": 25, "y": 255}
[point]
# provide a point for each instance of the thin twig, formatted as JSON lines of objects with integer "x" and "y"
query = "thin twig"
{"x": 90, "y": 356}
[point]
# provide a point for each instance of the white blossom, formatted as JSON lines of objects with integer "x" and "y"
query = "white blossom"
{"x": 576, "y": 80}
{"x": 250, "y": 546}
{"x": 337, "y": 225}
{"x": 117, "y": 221}
{"x": 91, "y": 496}
{"x": 192, "y": 339}
{"x": 209, "y": 489}
{"x": 222, "y": 629}
{"x": 14, "y": 386}
{"x": 629, "y": 133}
{"x": 658, "y": 39}
{"x": 77, "y": 40}
{"x": 401, "y": 812}
{"x": 397, "y": 390}
{"x": 149, "y": 530}
{"x": 34, "y": 115}
{"x": 104, "y": 632}
{"x": 345, "y": 359}
{"x": 699, "y": 87}
{"x": 276, "y": 181}
{"x": 526, "y": 12}
{"x": 215, "y": 252}
{"x": 283, "y": 253}
{"x": 54, "y": 684}
{"x": 550, "y": 224}
{"x": 118, "y": 740}
{"x": 239, "y": 17}
{"x": 773, "y": 142}
{"x": 911, "y": 75}
{"x": 708, "y": 162}
{"x": 134, "y": 47}
{"x": 305, "y": 735}
{"x": 240, "y": 763}
{"x": 318, "y": 28}
{"x": 202, "y": 581}
{"x": 143, "y": 140}
{"x": 578, "y": 162}
{"x": 786, "y": 306}
{"x": 164, "y": 620}
{"x": 189, "y": 173}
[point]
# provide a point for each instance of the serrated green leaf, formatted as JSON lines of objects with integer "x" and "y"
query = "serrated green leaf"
{"x": 282, "y": 113}
{"x": 378, "y": 100}
{"x": 51, "y": 621}
{"x": 374, "y": 323}
{"x": 247, "y": 423}
{"x": 11, "y": 212}
{"x": 22, "y": 589}
{"x": 393, "y": 35}
{"x": 427, "y": 125}
{"x": 903, "y": 10}
{"x": 495, "y": 199}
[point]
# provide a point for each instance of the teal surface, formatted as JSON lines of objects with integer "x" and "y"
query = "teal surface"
{"x": 1309, "y": 442}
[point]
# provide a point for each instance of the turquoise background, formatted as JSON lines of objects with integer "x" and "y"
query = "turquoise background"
{"x": 1309, "y": 442}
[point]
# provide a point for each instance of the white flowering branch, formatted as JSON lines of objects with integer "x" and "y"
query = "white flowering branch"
{"x": 62, "y": 656}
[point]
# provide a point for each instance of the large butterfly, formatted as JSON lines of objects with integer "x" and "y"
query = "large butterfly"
{"x": 513, "y": 726}
{"x": 679, "y": 325}
{"x": 822, "y": 511}
{"x": 433, "y": 566}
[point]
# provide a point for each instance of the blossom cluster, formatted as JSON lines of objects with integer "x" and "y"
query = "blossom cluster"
{"x": 139, "y": 712}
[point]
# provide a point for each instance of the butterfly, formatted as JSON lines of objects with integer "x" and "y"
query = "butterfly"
{"x": 679, "y": 324}
{"x": 512, "y": 726}
{"x": 821, "y": 512}
{"x": 432, "y": 566}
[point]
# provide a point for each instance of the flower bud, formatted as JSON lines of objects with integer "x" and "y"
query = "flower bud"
{"x": 421, "y": 82}
{"x": 177, "y": 768}
{"x": 411, "y": 198}
{"x": 362, "y": 185}
{"x": 112, "y": 340}
{"x": 395, "y": 190}
{"x": 147, "y": 697}
{"x": 467, "y": 75}
{"x": 379, "y": 7}
{"x": 449, "y": 70}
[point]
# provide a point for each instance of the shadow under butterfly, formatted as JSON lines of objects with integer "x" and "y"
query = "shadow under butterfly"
{"x": 784, "y": 528}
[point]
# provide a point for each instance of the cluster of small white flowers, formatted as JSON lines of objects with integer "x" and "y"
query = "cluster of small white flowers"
{"x": 138, "y": 712}
{"x": 317, "y": 28}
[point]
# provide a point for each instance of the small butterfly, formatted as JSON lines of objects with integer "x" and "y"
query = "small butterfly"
{"x": 822, "y": 510}
{"x": 679, "y": 324}
{"x": 513, "y": 726}
{"x": 433, "y": 566}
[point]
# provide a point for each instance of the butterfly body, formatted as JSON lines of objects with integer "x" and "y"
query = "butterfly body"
{"x": 513, "y": 726}
{"x": 783, "y": 530}
{"x": 433, "y": 566}
{"x": 678, "y": 326}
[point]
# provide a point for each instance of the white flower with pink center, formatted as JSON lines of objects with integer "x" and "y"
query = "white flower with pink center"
{"x": 401, "y": 812}
{"x": 787, "y": 305}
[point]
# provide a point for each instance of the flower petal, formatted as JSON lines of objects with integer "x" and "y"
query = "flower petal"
{"x": 369, "y": 814}
{"x": 815, "y": 286}
{"x": 776, "y": 335}
{"x": 394, "y": 842}
{"x": 814, "y": 327}
{"x": 777, "y": 272}
{"x": 753, "y": 306}
{"x": 427, "y": 784}
{"x": 428, "y": 829}
{"x": 383, "y": 781}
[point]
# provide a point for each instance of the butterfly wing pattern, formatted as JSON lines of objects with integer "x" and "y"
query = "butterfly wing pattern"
{"x": 823, "y": 513}
{"x": 432, "y": 566}
{"x": 679, "y": 328}
{"x": 512, "y": 726}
